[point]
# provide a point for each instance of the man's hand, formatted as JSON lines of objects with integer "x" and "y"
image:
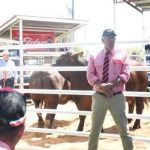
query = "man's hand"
{"x": 106, "y": 86}
{"x": 15, "y": 81}
{"x": 97, "y": 85}
{"x": 107, "y": 89}
{"x": 117, "y": 82}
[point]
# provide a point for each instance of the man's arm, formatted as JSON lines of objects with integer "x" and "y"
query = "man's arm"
{"x": 90, "y": 74}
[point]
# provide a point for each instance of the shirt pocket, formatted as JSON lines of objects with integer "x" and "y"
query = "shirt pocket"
{"x": 117, "y": 68}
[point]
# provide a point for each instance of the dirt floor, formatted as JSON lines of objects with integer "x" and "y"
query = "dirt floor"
{"x": 34, "y": 141}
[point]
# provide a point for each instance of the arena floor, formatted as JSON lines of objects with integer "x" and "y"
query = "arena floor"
{"x": 34, "y": 141}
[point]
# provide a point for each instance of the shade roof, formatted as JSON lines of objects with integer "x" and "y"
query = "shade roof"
{"x": 61, "y": 27}
{"x": 140, "y": 5}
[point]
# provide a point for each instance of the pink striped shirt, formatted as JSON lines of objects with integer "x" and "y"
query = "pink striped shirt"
{"x": 118, "y": 67}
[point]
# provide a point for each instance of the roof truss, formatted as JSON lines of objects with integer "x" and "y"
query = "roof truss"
{"x": 140, "y": 5}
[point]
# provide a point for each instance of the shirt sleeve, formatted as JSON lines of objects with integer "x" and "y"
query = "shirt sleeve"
{"x": 125, "y": 69}
{"x": 91, "y": 72}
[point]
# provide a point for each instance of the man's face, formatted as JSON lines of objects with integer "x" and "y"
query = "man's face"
{"x": 5, "y": 57}
{"x": 109, "y": 42}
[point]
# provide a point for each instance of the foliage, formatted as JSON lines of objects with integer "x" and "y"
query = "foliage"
{"x": 136, "y": 53}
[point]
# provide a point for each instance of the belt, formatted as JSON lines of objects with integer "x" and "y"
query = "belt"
{"x": 115, "y": 93}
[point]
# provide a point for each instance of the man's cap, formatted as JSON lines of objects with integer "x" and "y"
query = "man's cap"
{"x": 108, "y": 32}
{"x": 12, "y": 109}
{"x": 5, "y": 52}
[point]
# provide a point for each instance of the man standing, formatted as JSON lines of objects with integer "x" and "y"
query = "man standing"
{"x": 7, "y": 78}
{"x": 107, "y": 72}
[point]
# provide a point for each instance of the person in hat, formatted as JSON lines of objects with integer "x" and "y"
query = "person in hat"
{"x": 12, "y": 117}
{"x": 7, "y": 78}
{"x": 107, "y": 73}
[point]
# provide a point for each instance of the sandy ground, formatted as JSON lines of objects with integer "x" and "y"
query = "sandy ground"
{"x": 30, "y": 141}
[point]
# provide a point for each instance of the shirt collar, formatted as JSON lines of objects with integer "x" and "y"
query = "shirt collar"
{"x": 4, "y": 146}
{"x": 112, "y": 52}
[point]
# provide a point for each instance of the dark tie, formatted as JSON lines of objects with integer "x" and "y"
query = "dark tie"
{"x": 106, "y": 67}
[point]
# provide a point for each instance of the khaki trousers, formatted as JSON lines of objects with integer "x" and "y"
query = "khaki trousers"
{"x": 116, "y": 106}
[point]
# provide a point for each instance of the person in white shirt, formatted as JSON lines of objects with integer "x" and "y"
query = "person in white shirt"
{"x": 7, "y": 78}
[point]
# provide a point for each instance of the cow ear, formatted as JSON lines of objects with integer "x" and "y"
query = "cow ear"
{"x": 77, "y": 54}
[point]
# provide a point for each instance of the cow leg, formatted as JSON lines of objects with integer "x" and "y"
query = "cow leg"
{"x": 50, "y": 103}
{"x": 139, "y": 109}
{"x": 38, "y": 104}
{"x": 81, "y": 123}
{"x": 131, "y": 104}
{"x": 83, "y": 104}
{"x": 80, "y": 106}
{"x": 49, "y": 120}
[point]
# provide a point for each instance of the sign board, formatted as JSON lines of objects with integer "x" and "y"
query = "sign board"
{"x": 35, "y": 37}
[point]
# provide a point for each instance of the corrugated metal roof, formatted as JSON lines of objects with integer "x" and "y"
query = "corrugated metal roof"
{"x": 61, "y": 27}
{"x": 143, "y": 4}
{"x": 140, "y": 5}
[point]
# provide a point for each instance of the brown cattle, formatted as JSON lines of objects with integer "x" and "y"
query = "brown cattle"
{"x": 137, "y": 82}
{"x": 47, "y": 80}
{"x": 78, "y": 82}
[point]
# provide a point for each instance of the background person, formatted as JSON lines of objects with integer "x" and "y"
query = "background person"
{"x": 133, "y": 56}
{"x": 12, "y": 118}
{"x": 7, "y": 78}
{"x": 107, "y": 72}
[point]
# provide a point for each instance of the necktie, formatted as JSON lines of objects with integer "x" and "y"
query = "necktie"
{"x": 106, "y": 67}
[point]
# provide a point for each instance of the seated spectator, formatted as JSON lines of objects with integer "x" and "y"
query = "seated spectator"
{"x": 7, "y": 78}
{"x": 12, "y": 117}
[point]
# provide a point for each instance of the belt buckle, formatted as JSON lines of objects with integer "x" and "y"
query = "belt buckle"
{"x": 117, "y": 93}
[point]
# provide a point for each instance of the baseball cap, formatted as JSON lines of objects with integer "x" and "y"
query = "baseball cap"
{"x": 108, "y": 32}
{"x": 6, "y": 52}
{"x": 12, "y": 109}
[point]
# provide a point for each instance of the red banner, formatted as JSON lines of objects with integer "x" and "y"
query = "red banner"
{"x": 34, "y": 37}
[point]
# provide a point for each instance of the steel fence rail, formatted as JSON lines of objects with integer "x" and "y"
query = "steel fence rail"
{"x": 77, "y": 92}
{"x": 134, "y": 116}
{"x": 83, "y": 133}
{"x": 59, "y": 68}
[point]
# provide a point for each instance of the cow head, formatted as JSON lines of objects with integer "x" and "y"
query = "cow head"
{"x": 70, "y": 59}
